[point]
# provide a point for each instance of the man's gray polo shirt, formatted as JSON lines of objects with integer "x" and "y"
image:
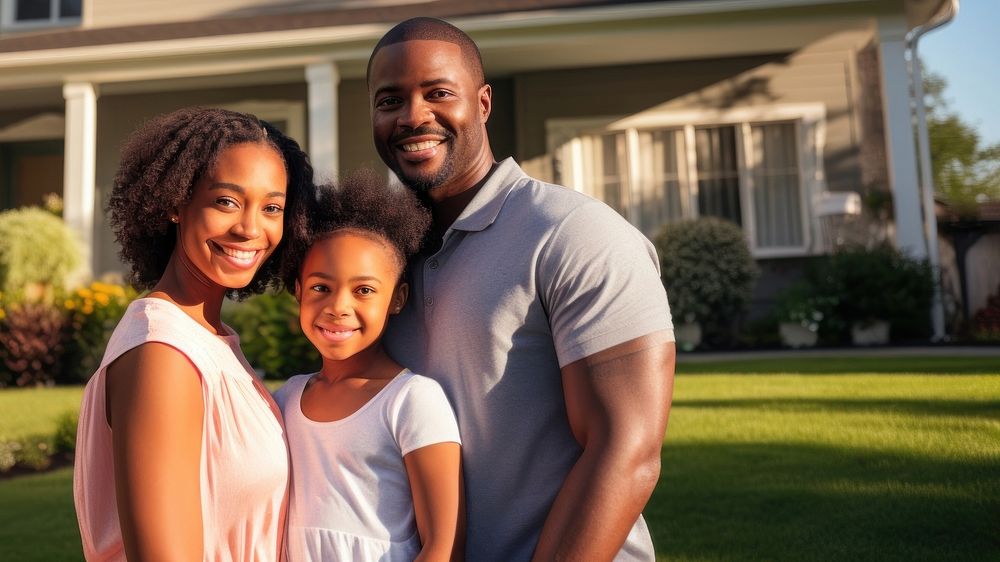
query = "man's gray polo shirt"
{"x": 531, "y": 277}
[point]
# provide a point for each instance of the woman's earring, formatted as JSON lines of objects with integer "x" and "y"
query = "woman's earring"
{"x": 175, "y": 219}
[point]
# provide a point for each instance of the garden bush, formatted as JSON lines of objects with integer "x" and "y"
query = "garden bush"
{"x": 864, "y": 285}
{"x": 33, "y": 453}
{"x": 38, "y": 249}
{"x": 92, "y": 312}
{"x": 64, "y": 439}
{"x": 37, "y": 452}
{"x": 270, "y": 335}
{"x": 709, "y": 275}
{"x": 986, "y": 322}
{"x": 31, "y": 344}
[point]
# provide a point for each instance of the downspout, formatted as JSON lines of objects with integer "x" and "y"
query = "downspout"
{"x": 949, "y": 11}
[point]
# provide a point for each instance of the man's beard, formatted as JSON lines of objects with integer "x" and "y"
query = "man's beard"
{"x": 424, "y": 184}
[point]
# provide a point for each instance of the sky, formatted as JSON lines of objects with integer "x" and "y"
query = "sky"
{"x": 967, "y": 53}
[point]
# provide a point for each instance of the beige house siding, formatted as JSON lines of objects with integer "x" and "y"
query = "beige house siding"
{"x": 983, "y": 265}
{"x": 114, "y": 13}
{"x": 822, "y": 72}
{"x": 356, "y": 148}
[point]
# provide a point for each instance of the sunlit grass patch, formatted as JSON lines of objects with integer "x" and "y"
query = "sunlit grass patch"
{"x": 821, "y": 467}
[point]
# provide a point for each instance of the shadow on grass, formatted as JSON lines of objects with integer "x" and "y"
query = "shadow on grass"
{"x": 720, "y": 501}
{"x": 846, "y": 365}
{"x": 989, "y": 409}
{"x": 37, "y": 520}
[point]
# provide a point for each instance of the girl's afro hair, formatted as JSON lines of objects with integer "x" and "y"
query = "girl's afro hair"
{"x": 160, "y": 164}
{"x": 364, "y": 202}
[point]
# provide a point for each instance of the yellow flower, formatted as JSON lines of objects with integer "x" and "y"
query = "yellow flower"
{"x": 102, "y": 299}
{"x": 70, "y": 304}
{"x": 84, "y": 292}
{"x": 88, "y": 308}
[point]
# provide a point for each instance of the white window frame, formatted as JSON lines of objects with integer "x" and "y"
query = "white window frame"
{"x": 8, "y": 23}
{"x": 291, "y": 112}
{"x": 564, "y": 143}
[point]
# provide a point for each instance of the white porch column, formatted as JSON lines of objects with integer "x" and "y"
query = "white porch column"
{"x": 80, "y": 153}
{"x": 323, "y": 79}
{"x": 901, "y": 150}
{"x": 927, "y": 195}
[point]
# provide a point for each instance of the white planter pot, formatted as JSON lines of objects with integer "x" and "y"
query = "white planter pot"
{"x": 873, "y": 333}
{"x": 688, "y": 335}
{"x": 794, "y": 334}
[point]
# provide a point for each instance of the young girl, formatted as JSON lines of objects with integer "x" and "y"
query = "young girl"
{"x": 180, "y": 450}
{"x": 375, "y": 448}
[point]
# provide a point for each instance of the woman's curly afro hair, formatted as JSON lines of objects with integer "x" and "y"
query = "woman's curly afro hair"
{"x": 160, "y": 164}
{"x": 366, "y": 203}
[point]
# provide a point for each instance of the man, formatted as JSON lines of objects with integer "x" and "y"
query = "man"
{"x": 539, "y": 310}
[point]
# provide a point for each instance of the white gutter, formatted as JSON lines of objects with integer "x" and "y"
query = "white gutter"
{"x": 948, "y": 13}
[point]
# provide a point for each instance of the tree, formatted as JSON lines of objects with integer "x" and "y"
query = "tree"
{"x": 964, "y": 172}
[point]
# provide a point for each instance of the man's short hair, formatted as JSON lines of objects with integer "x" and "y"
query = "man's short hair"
{"x": 433, "y": 29}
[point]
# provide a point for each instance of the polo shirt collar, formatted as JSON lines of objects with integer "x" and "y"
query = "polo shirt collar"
{"x": 486, "y": 205}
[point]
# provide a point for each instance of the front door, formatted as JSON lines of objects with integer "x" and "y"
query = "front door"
{"x": 28, "y": 171}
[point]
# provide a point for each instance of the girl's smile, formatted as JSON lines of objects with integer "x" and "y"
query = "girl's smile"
{"x": 346, "y": 291}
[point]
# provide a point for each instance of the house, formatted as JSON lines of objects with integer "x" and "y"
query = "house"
{"x": 758, "y": 111}
{"x": 970, "y": 251}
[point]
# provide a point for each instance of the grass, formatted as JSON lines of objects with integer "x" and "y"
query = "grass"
{"x": 856, "y": 461}
{"x": 37, "y": 521}
{"x": 801, "y": 459}
{"x": 26, "y": 412}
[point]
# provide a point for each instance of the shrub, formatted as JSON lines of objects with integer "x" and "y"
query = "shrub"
{"x": 92, "y": 313}
{"x": 30, "y": 344}
{"x": 877, "y": 283}
{"x": 708, "y": 272}
{"x": 270, "y": 335}
{"x": 64, "y": 440}
{"x": 986, "y": 322}
{"x": 36, "y": 452}
{"x": 37, "y": 249}
{"x": 29, "y": 452}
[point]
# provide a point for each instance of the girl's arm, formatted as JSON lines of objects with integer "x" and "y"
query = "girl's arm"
{"x": 155, "y": 410}
{"x": 435, "y": 475}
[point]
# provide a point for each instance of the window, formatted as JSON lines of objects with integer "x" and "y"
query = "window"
{"x": 755, "y": 167}
{"x": 606, "y": 171}
{"x": 718, "y": 173}
{"x": 30, "y": 14}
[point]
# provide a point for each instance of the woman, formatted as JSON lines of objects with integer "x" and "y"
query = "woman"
{"x": 180, "y": 449}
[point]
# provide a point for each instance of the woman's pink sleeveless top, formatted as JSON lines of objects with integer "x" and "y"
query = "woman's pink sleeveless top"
{"x": 244, "y": 456}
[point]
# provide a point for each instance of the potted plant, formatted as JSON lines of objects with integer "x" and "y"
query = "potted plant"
{"x": 801, "y": 312}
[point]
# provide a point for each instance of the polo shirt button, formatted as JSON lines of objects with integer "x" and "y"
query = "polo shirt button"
{"x": 433, "y": 264}
{"x": 429, "y": 301}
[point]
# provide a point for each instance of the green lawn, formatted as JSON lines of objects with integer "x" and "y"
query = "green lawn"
{"x": 25, "y": 412}
{"x": 803, "y": 459}
{"x": 37, "y": 522}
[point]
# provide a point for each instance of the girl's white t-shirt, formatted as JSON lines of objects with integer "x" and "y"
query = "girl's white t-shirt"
{"x": 350, "y": 494}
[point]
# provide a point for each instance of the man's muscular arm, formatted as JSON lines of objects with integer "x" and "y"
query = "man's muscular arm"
{"x": 618, "y": 401}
